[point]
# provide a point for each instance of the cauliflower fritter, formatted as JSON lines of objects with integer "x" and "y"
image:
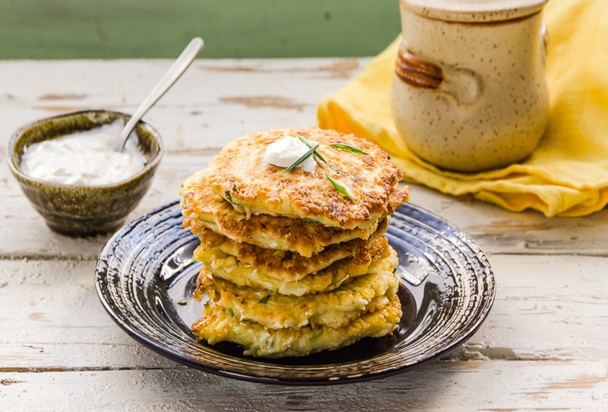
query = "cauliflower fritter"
{"x": 283, "y": 280}
{"x": 204, "y": 209}
{"x": 286, "y": 265}
{"x": 240, "y": 175}
{"x": 334, "y": 309}
{"x": 218, "y": 325}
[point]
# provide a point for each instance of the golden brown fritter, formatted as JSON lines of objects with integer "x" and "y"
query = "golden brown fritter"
{"x": 281, "y": 279}
{"x": 218, "y": 325}
{"x": 241, "y": 177}
{"x": 202, "y": 208}
{"x": 287, "y": 265}
{"x": 335, "y": 309}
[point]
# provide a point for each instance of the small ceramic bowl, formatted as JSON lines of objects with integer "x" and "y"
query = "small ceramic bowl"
{"x": 83, "y": 210}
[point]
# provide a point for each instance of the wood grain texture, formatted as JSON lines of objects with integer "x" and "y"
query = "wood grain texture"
{"x": 544, "y": 345}
{"x": 214, "y": 103}
{"x": 51, "y": 312}
{"x": 498, "y": 386}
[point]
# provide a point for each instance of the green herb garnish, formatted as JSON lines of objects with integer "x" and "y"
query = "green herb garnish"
{"x": 349, "y": 148}
{"x": 229, "y": 312}
{"x": 341, "y": 189}
{"x": 228, "y": 196}
{"x": 302, "y": 158}
{"x": 316, "y": 335}
{"x": 264, "y": 299}
{"x": 309, "y": 220}
{"x": 255, "y": 350}
{"x": 321, "y": 158}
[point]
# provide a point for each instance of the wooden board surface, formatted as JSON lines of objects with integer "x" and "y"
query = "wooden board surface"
{"x": 496, "y": 386}
{"x": 544, "y": 345}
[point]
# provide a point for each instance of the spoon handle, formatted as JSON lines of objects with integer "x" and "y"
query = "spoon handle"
{"x": 177, "y": 69}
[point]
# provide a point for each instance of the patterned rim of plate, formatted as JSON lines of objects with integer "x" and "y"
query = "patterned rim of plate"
{"x": 446, "y": 276}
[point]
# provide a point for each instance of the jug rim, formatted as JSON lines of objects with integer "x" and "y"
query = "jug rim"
{"x": 474, "y": 11}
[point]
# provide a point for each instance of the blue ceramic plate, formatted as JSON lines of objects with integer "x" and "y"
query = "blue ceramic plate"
{"x": 145, "y": 276}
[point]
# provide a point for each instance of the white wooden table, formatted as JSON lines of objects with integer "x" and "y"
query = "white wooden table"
{"x": 544, "y": 345}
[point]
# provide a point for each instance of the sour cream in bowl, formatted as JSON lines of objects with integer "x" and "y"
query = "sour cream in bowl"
{"x": 68, "y": 170}
{"x": 84, "y": 158}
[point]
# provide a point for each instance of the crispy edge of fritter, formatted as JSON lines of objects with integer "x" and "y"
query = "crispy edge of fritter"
{"x": 230, "y": 269}
{"x": 217, "y": 325}
{"x": 202, "y": 208}
{"x": 372, "y": 179}
{"x": 333, "y": 309}
{"x": 286, "y": 265}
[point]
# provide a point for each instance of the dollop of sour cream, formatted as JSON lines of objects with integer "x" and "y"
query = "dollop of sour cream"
{"x": 85, "y": 158}
{"x": 286, "y": 151}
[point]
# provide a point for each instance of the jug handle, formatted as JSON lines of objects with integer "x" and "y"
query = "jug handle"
{"x": 416, "y": 72}
{"x": 463, "y": 87}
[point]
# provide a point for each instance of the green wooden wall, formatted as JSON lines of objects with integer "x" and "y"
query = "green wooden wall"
{"x": 106, "y": 29}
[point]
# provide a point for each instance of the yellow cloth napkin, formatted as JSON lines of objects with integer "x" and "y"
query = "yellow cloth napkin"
{"x": 567, "y": 175}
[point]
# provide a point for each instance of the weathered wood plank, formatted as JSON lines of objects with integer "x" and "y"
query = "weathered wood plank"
{"x": 33, "y": 239}
{"x": 442, "y": 386}
{"x": 545, "y": 310}
{"x": 544, "y": 345}
{"x": 197, "y": 117}
{"x": 496, "y": 230}
{"x": 197, "y": 113}
{"x": 192, "y": 123}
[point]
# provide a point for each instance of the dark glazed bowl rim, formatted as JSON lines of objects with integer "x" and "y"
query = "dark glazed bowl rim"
{"x": 16, "y": 170}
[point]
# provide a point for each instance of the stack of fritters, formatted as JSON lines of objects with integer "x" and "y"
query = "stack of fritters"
{"x": 295, "y": 262}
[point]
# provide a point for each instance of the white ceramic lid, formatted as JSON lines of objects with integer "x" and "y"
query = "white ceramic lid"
{"x": 474, "y": 11}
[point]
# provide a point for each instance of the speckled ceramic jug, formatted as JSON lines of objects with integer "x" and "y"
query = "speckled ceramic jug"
{"x": 469, "y": 90}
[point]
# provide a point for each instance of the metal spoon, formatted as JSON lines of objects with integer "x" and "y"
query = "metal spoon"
{"x": 179, "y": 67}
